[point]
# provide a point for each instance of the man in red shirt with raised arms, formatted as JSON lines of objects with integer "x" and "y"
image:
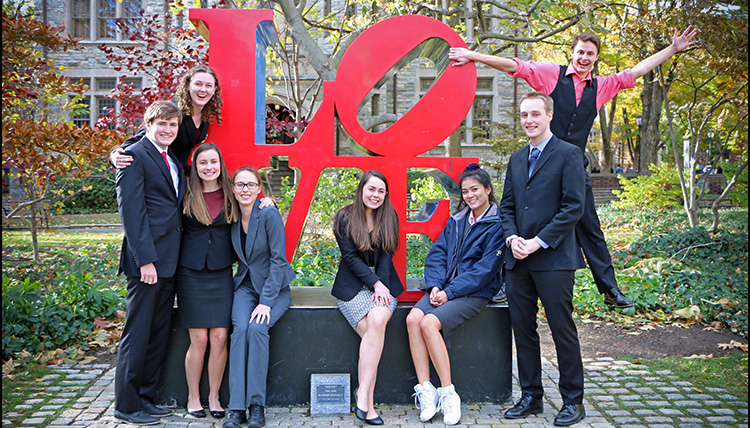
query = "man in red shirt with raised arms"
{"x": 578, "y": 96}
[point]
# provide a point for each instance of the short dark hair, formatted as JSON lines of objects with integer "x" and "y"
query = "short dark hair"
{"x": 549, "y": 104}
{"x": 586, "y": 36}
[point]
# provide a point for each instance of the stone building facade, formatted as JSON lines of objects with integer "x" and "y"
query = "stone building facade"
{"x": 93, "y": 21}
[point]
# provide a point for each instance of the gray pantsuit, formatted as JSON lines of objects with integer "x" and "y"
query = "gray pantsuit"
{"x": 262, "y": 278}
{"x": 249, "y": 344}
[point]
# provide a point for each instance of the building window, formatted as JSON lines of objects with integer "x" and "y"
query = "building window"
{"x": 482, "y": 116}
{"x": 83, "y": 117}
{"x": 97, "y": 19}
{"x": 96, "y": 98}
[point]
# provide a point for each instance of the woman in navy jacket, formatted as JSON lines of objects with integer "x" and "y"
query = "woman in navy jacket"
{"x": 462, "y": 274}
{"x": 366, "y": 284}
{"x": 204, "y": 274}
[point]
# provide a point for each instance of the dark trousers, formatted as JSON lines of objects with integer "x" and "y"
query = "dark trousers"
{"x": 555, "y": 289}
{"x": 594, "y": 246}
{"x": 143, "y": 342}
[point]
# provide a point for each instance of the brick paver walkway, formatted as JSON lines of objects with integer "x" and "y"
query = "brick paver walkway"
{"x": 618, "y": 394}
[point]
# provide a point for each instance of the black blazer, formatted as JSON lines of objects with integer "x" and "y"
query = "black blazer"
{"x": 184, "y": 142}
{"x": 206, "y": 246}
{"x": 150, "y": 211}
{"x": 547, "y": 205}
{"x": 353, "y": 271}
{"x": 264, "y": 257}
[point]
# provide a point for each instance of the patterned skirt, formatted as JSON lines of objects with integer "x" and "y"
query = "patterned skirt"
{"x": 356, "y": 309}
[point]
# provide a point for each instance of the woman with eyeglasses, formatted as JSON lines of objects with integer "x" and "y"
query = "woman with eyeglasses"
{"x": 366, "y": 284}
{"x": 203, "y": 279}
{"x": 261, "y": 297}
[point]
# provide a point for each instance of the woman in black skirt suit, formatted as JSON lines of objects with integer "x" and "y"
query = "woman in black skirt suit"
{"x": 367, "y": 284}
{"x": 204, "y": 274}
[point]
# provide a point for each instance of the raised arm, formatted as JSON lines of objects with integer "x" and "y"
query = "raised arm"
{"x": 679, "y": 43}
{"x": 463, "y": 55}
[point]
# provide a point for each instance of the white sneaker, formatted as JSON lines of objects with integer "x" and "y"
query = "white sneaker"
{"x": 450, "y": 404}
{"x": 426, "y": 400}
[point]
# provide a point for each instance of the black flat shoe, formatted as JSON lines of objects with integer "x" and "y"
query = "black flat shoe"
{"x": 360, "y": 414}
{"x": 377, "y": 420}
{"x": 218, "y": 414}
{"x": 196, "y": 413}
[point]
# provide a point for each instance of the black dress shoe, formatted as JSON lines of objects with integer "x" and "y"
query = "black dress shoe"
{"x": 218, "y": 414}
{"x": 234, "y": 419}
{"x": 136, "y": 418}
{"x": 360, "y": 414}
{"x": 257, "y": 418}
{"x": 526, "y": 406}
{"x": 153, "y": 410}
{"x": 616, "y": 299}
{"x": 377, "y": 420}
{"x": 570, "y": 414}
{"x": 197, "y": 413}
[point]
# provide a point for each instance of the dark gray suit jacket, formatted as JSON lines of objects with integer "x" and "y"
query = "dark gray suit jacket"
{"x": 150, "y": 211}
{"x": 264, "y": 257}
{"x": 548, "y": 205}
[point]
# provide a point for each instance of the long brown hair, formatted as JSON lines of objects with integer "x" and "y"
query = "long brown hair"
{"x": 185, "y": 103}
{"x": 385, "y": 220}
{"x": 194, "y": 204}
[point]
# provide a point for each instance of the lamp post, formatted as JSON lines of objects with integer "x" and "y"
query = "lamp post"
{"x": 710, "y": 144}
{"x": 639, "y": 122}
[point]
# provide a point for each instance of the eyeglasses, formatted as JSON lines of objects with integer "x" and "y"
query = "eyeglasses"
{"x": 240, "y": 185}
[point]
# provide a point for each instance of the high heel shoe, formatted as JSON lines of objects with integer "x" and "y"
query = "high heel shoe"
{"x": 197, "y": 413}
{"x": 360, "y": 414}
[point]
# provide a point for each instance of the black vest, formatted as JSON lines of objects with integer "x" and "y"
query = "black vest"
{"x": 573, "y": 123}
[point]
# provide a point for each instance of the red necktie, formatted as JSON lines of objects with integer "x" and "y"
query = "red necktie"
{"x": 164, "y": 155}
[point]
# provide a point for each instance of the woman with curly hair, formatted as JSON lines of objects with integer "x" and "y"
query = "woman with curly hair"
{"x": 199, "y": 99}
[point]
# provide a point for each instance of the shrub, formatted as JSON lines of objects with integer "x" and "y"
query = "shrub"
{"x": 94, "y": 194}
{"x": 659, "y": 191}
{"x": 53, "y": 305}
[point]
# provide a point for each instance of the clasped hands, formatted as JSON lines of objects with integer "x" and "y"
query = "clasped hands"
{"x": 522, "y": 248}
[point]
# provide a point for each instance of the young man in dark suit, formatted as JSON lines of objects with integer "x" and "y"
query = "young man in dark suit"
{"x": 542, "y": 201}
{"x": 148, "y": 197}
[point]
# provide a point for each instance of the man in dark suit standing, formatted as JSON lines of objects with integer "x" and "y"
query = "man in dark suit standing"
{"x": 542, "y": 201}
{"x": 148, "y": 198}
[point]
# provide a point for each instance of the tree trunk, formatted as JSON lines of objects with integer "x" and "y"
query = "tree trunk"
{"x": 651, "y": 99}
{"x": 453, "y": 144}
{"x": 607, "y": 124}
{"x": 723, "y": 196}
{"x": 33, "y": 229}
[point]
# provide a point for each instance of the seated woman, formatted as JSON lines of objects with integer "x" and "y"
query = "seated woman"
{"x": 462, "y": 273}
{"x": 366, "y": 283}
{"x": 261, "y": 297}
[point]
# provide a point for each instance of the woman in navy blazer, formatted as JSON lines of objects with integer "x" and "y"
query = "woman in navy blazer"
{"x": 261, "y": 297}
{"x": 204, "y": 274}
{"x": 462, "y": 273}
{"x": 366, "y": 284}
